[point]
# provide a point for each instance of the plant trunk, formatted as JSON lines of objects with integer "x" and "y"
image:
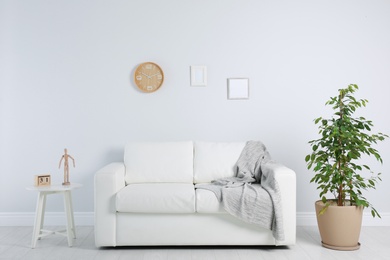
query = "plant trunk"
{"x": 340, "y": 198}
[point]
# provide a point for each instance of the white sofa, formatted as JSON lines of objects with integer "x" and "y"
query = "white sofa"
{"x": 150, "y": 199}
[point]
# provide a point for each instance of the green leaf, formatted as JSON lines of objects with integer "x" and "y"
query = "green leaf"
{"x": 317, "y": 120}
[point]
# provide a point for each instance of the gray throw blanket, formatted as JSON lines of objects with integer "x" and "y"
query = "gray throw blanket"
{"x": 253, "y": 195}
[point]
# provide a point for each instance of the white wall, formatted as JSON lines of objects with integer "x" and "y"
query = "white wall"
{"x": 66, "y": 81}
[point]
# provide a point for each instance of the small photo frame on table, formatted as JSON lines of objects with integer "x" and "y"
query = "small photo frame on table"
{"x": 238, "y": 88}
{"x": 198, "y": 76}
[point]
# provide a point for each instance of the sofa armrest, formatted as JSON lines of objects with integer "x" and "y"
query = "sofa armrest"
{"x": 108, "y": 181}
{"x": 286, "y": 180}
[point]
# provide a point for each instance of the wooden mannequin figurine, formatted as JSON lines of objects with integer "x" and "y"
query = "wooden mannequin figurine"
{"x": 65, "y": 157}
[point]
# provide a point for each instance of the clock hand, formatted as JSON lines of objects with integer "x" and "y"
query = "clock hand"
{"x": 154, "y": 74}
{"x": 146, "y": 75}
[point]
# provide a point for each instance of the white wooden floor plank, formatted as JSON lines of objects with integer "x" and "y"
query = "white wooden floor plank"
{"x": 311, "y": 243}
{"x": 296, "y": 252}
{"x": 5, "y": 231}
{"x": 376, "y": 241}
{"x": 107, "y": 254}
{"x": 15, "y": 243}
{"x": 86, "y": 249}
{"x": 226, "y": 254}
{"x": 365, "y": 252}
{"x": 179, "y": 254}
{"x": 132, "y": 254}
{"x": 156, "y": 254}
{"x": 45, "y": 246}
{"x": 62, "y": 250}
{"x": 202, "y": 253}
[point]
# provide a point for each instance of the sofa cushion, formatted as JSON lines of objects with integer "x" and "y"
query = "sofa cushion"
{"x": 156, "y": 198}
{"x": 214, "y": 161}
{"x": 159, "y": 162}
{"x": 207, "y": 202}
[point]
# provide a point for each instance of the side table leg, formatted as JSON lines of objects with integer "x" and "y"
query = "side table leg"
{"x": 71, "y": 214}
{"x": 43, "y": 210}
{"x": 39, "y": 215}
{"x": 69, "y": 217}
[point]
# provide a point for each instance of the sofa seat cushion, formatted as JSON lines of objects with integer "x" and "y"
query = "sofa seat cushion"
{"x": 156, "y": 198}
{"x": 207, "y": 202}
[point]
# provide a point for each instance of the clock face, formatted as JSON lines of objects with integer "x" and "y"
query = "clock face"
{"x": 148, "y": 77}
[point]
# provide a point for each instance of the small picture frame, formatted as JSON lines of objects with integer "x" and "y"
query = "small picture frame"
{"x": 198, "y": 76}
{"x": 42, "y": 180}
{"x": 238, "y": 88}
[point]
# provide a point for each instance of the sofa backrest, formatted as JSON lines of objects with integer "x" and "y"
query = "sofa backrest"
{"x": 214, "y": 160}
{"x": 159, "y": 162}
{"x": 180, "y": 162}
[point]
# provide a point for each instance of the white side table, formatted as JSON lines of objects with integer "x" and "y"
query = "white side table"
{"x": 43, "y": 191}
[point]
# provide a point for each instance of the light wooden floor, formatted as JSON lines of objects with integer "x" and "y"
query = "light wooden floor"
{"x": 15, "y": 244}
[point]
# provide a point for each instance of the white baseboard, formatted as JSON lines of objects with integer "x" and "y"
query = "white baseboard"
{"x": 87, "y": 219}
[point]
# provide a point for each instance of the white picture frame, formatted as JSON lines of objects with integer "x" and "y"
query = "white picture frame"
{"x": 238, "y": 88}
{"x": 198, "y": 75}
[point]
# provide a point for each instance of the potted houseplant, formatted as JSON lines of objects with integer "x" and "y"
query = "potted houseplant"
{"x": 336, "y": 161}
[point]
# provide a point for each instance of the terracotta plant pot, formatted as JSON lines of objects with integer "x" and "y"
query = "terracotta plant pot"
{"x": 339, "y": 226}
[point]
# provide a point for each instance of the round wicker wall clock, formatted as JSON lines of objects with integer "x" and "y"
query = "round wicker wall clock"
{"x": 148, "y": 77}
